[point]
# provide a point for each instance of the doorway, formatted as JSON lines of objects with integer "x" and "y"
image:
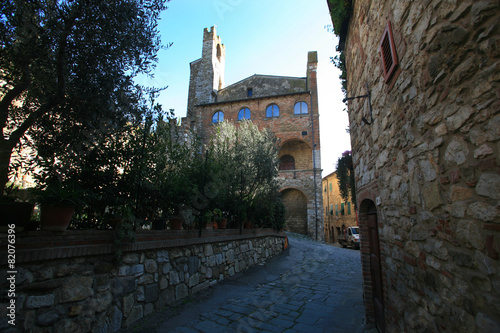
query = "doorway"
{"x": 368, "y": 217}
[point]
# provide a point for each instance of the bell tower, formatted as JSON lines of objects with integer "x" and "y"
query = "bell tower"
{"x": 207, "y": 73}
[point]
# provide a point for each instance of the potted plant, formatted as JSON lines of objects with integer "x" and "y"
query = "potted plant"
{"x": 57, "y": 206}
{"x": 209, "y": 224}
{"x": 220, "y": 219}
{"x": 175, "y": 222}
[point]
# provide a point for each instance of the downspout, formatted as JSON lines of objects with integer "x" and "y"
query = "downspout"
{"x": 314, "y": 168}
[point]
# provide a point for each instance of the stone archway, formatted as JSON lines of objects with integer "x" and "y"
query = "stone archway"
{"x": 295, "y": 210}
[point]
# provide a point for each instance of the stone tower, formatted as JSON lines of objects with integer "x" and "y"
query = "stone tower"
{"x": 207, "y": 73}
{"x": 286, "y": 105}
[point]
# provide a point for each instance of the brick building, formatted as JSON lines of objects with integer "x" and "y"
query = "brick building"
{"x": 286, "y": 105}
{"x": 337, "y": 214}
{"x": 426, "y": 157}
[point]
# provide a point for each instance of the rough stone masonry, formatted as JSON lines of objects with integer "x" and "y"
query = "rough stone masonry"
{"x": 428, "y": 166}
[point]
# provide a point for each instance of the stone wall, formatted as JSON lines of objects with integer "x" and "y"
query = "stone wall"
{"x": 430, "y": 160}
{"x": 262, "y": 85}
{"x": 79, "y": 287}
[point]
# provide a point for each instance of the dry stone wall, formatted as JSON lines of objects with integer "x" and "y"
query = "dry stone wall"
{"x": 431, "y": 159}
{"x": 94, "y": 294}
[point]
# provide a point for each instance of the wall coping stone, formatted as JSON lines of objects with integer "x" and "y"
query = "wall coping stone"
{"x": 41, "y": 245}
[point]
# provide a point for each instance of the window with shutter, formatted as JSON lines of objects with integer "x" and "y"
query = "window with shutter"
{"x": 388, "y": 53}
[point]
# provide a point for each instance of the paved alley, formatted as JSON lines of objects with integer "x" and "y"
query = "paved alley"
{"x": 310, "y": 287}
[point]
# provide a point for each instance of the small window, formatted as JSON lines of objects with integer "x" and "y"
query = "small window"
{"x": 348, "y": 208}
{"x": 219, "y": 52}
{"x": 330, "y": 187}
{"x": 388, "y": 53}
{"x": 331, "y": 209}
{"x": 218, "y": 117}
{"x": 244, "y": 114}
{"x": 249, "y": 92}
{"x": 272, "y": 111}
{"x": 342, "y": 208}
{"x": 300, "y": 108}
{"x": 287, "y": 162}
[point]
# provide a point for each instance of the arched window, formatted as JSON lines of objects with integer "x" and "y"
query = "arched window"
{"x": 300, "y": 108}
{"x": 272, "y": 111}
{"x": 219, "y": 52}
{"x": 287, "y": 162}
{"x": 218, "y": 117}
{"x": 244, "y": 114}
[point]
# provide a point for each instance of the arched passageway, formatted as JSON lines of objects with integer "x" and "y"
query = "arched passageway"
{"x": 295, "y": 210}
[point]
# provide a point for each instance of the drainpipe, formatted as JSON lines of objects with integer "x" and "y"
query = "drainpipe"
{"x": 314, "y": 169}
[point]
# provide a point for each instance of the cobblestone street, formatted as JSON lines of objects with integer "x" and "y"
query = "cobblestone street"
{"x": 311, "y": 287}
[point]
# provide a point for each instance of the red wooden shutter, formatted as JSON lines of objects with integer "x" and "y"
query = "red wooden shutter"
{"x": 388, "y": 53}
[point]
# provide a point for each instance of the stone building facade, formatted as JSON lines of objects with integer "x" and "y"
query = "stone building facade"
{"x": 286, "y": 105}
{"x": 337, "y": 214}
{"x": 427, "y": 161}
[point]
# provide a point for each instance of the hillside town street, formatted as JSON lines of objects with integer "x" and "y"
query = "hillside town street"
{"x": 310, "y": 287}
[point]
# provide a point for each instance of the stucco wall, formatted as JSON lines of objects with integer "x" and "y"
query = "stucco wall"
{"x": 430, "y": 160}
{"x": 333, "y": 201}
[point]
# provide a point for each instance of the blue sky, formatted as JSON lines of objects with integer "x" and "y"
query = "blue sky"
{"x": 261, "y": 37}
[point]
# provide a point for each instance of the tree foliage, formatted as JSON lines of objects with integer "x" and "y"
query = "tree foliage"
{"x": 345, "y": 176}
{"x": 66, "y": 73}
{"x": 246, "y": 172}
{"x": 340, "y": 12}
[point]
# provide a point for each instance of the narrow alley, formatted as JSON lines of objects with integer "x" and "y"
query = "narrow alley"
{"x": 310, "y": 287}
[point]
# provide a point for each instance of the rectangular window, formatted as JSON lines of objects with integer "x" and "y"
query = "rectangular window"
{"x": 330, "y": 187}
{"x": 342, "y": 208}
{"x": 388, "y": 53}
{"x": 331, "y": 209}
{"x": 337, "y": 209}
{"x": 249, "y": 92}
{"x": 348, "y": 208}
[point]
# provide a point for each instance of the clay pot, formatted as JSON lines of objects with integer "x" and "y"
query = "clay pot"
{"x": 175, "y": 223}
{"x": 55, "y": 217}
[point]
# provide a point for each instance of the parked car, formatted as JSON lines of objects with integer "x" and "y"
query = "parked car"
{"x": 350, "y": 237}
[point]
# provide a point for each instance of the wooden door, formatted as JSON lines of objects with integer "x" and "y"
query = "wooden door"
{"x": 376, "y": 272}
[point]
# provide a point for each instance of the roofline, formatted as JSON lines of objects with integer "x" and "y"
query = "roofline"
{"x": 330, "y": 174}
{"x": 277, "y": 76}
{"x": 255, "y": 98}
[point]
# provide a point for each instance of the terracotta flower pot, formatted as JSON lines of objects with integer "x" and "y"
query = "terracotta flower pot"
{"x": 55, "y": 217}
{"x": 175, "y": 223}
{"x": 223, "y": 224}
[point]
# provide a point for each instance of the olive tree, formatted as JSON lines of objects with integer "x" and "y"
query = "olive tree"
{"x": 247, "y": 170}
{"x": 67, "y": 69}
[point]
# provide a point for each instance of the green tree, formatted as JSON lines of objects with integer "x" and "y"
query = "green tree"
{"x": 67, "y": 69}
{"x": 247, "y": 167}
{"x": 345, "y": 176}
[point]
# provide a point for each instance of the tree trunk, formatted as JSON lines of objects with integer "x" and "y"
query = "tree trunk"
{"x": 5, "y": 154}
